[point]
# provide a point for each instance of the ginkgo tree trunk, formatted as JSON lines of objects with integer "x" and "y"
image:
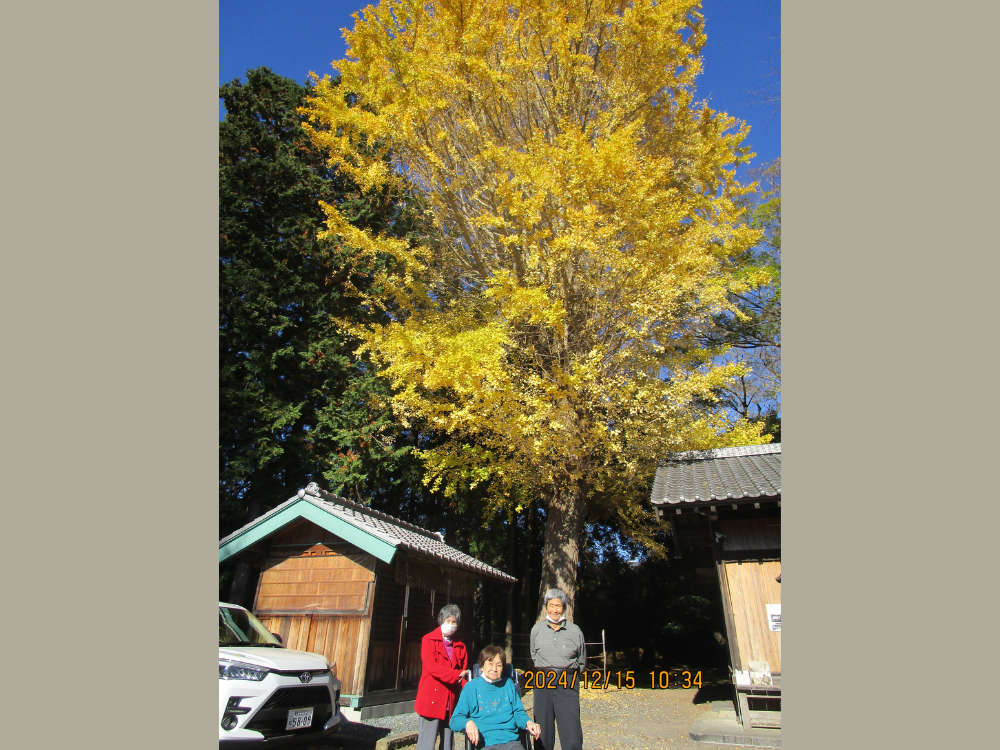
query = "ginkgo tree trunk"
{"x": 585, "y": 215}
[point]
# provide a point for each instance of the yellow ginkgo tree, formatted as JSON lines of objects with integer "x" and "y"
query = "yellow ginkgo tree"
{"x": 585, "y": 216}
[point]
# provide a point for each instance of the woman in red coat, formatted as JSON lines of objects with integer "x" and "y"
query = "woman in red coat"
{"x": 444, "y": 670}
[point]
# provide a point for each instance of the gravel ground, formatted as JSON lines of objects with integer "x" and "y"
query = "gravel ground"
{"x": 401, "y": 723}
{"x": 612, "y": 719}
{"x": 641, "y": 718}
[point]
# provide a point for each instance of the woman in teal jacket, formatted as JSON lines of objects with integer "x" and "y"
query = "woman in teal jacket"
{"x": 489, "y": 710}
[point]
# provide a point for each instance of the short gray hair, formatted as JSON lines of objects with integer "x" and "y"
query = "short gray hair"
{"x": 449, "y": 610}
{"x": 554, "y": 594}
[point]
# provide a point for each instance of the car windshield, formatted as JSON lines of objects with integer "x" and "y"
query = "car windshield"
{"x": 237, "y": 626}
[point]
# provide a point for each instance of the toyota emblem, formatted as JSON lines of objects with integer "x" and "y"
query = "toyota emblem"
{"x": 305, "y": 677}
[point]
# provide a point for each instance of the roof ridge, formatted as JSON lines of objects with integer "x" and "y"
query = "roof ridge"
{"x": 470, "y": 561}
{"x": 369, "y": 511}
{"x": 742, "y": 450}
{"x": 329, "y": 502}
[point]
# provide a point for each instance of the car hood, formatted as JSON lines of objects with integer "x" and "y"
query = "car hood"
{"x": 274, "y": 658}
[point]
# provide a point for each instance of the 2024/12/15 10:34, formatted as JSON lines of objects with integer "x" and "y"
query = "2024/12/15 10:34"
{"x": 622, "y": 681}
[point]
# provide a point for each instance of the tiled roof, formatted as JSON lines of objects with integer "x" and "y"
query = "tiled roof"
{"x": 389, "y": 529}
{"x": 724, "y": 474}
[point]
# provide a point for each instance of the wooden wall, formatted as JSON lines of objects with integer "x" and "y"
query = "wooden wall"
{"x": 742, "y": 534}
{"x": 387, "y": 618}
{"x": 331, "y": 584}
{"x": 322, "y": 594}
{"x": 395, "y": 640}
{"x": 750, "y": 585}
{"x": 308, "y": 569}
{"x": 315, "y": 591}
{"x": 418, "y": 623}
{"x": 340, "y": 639}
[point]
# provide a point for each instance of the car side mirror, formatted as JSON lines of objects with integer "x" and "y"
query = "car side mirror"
{"x": 277, "y": 636}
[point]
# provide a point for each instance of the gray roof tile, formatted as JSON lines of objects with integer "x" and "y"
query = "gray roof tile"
{"x": 724, "y": 474}
{"x": 397, "y": 532}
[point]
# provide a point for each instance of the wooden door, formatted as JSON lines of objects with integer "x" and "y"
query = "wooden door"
{"x": 342, "y": 639}
{"x": 752, "y": 586}
{"x": 384, "y": 651}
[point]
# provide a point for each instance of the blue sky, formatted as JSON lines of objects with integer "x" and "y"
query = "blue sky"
{"x": 293, "y": 37}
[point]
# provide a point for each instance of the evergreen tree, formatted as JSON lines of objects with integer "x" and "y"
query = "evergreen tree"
{"x": 295, "y": 403}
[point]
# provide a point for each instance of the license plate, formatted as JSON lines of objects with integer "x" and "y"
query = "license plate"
{"x": 299, "y": 718}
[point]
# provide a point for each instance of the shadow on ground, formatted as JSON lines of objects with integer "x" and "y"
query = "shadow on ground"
{"x": 719, "y": 691}
{"x": 353, "y": 735}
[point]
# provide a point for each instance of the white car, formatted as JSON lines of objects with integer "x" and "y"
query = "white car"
{"x": 270, "y": 696}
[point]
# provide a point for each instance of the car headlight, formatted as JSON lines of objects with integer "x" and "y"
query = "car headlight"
{"x": 237, "y": 670}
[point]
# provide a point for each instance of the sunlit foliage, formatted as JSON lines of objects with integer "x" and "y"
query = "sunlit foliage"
{"x": 584, "y": 207}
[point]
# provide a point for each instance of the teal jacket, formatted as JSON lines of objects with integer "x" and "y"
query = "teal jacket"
{"x": 495, "y": 709}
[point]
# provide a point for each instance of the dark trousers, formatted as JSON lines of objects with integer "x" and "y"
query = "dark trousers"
{"x": 558, "y": 707}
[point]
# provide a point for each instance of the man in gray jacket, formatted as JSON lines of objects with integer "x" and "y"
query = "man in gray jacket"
{"x": 557, "y": 645}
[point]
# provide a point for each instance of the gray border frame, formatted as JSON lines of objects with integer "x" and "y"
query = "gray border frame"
{"x": 109, "y": 289}
{"x": 110, "y": 300}
{"x": 888, "y": 159}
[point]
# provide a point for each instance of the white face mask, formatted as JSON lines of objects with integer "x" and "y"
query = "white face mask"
{"x": 448, "y": 630}
{"x": 493, "y": 666}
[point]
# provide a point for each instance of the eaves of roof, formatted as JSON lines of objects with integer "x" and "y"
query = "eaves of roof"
{"x": 376, "y": 533}
{"x": 723, "y": 475}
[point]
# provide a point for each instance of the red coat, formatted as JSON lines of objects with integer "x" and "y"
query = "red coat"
{"x": 440, "y": 683}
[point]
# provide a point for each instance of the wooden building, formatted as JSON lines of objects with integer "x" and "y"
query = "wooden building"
{"x": 730, "y": 500}
{"x": 358, "y": 586}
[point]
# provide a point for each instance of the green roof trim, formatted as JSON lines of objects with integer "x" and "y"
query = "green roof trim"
{"x": 303, "y": 508}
